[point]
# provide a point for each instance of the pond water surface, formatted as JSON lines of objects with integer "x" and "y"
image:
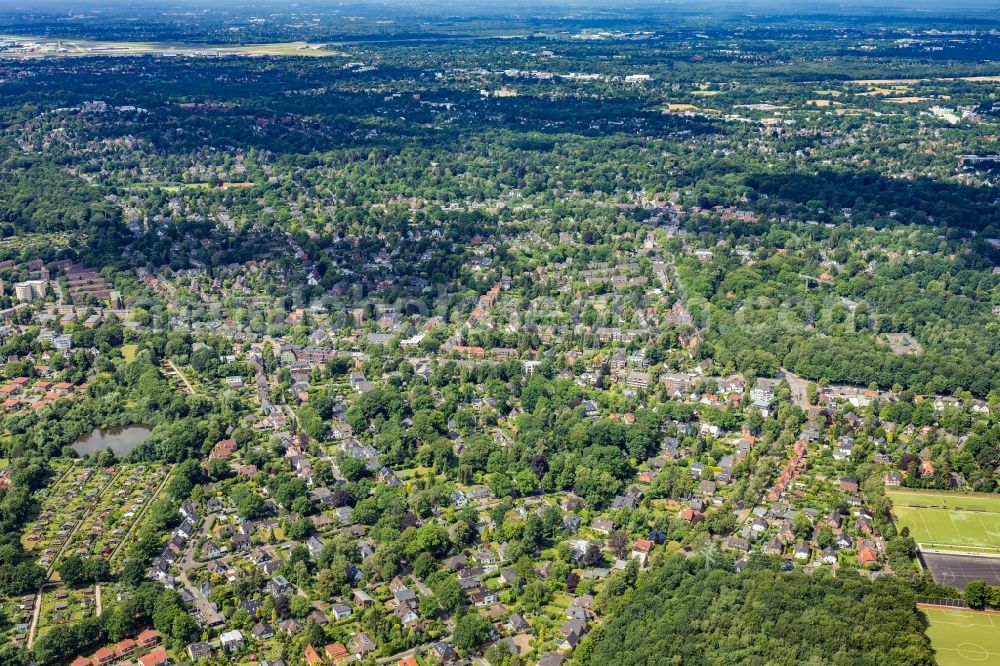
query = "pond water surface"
{"x": 120, "y": 440}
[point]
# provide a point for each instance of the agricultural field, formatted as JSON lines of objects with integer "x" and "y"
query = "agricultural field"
{"x": 946, "y": 521}
{"x": 962, "y": 637}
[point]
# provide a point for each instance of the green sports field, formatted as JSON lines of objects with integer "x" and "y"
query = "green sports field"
{"x": 962, "y": 637}
{"x": 949, "y": 521}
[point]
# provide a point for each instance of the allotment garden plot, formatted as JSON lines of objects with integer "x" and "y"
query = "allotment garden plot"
{"x": 66, "y": 504}
{"x": 109, "y": 521}
{"x": 65, "y": 606}
{"x": 946, "y": 521}
{"x": 90, "y": 510}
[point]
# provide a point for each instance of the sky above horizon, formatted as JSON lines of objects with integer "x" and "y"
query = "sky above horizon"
{"x": 58, "y": 5}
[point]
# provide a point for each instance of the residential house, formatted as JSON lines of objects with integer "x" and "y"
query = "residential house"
{"x": 315, "y": 546}
{"x": 199, "y": 650}
{"x": 147, "y": 638}
{"x": 517, "y": 624}
{"x": 407, "y": 613}
{"x": 624, "y": 502}
{"x": 361, "y": 645}
{"x": 363, "y": 599}
{"x": 231, "y": 640}
{"x": 336, "y": 653}
{"x": 763, "y": 390}
{"x": 602, "y": 525}
{"x": 848, "y": 484}
{"x": 318, "y": 617}
{"x": 103, "y": 657}
{"x": 641, "y": 549}
{"x": 291, "y": 626}
{"x": 157, "y": 657}
{"x": 210, "y": 550}
{"x": 445, "y": 652}
{"x": 262, "y": 631}
{"x": 774, "y": 547}
{"x": 481, "y": 597}
{"x": 508, "y": 577}
{"x": 312, "y": 657}
{"x": 572, "y": 631}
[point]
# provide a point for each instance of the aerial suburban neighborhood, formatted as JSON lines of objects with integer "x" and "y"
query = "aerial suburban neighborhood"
{"x": 667, "y": 343}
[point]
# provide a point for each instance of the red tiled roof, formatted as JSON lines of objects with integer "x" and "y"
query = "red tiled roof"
{"x": 643, "y": 545}
{"x": 157, "y": 656}
{"x": 337, "y": 652}
{"x": 147, "y": 636}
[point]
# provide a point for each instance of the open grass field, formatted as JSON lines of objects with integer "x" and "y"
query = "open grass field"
{"x": 129, "y": 352}
{"x": 962, "y": 637}
{"x": 947, "y": 521}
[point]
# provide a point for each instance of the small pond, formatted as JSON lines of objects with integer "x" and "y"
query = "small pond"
{"x": 120, "y": 440}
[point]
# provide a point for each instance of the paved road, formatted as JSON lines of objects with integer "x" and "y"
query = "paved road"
{"x": 798, "y": 386}
{"x": 187, "y": 562}
{"x": 35, "y": 613}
